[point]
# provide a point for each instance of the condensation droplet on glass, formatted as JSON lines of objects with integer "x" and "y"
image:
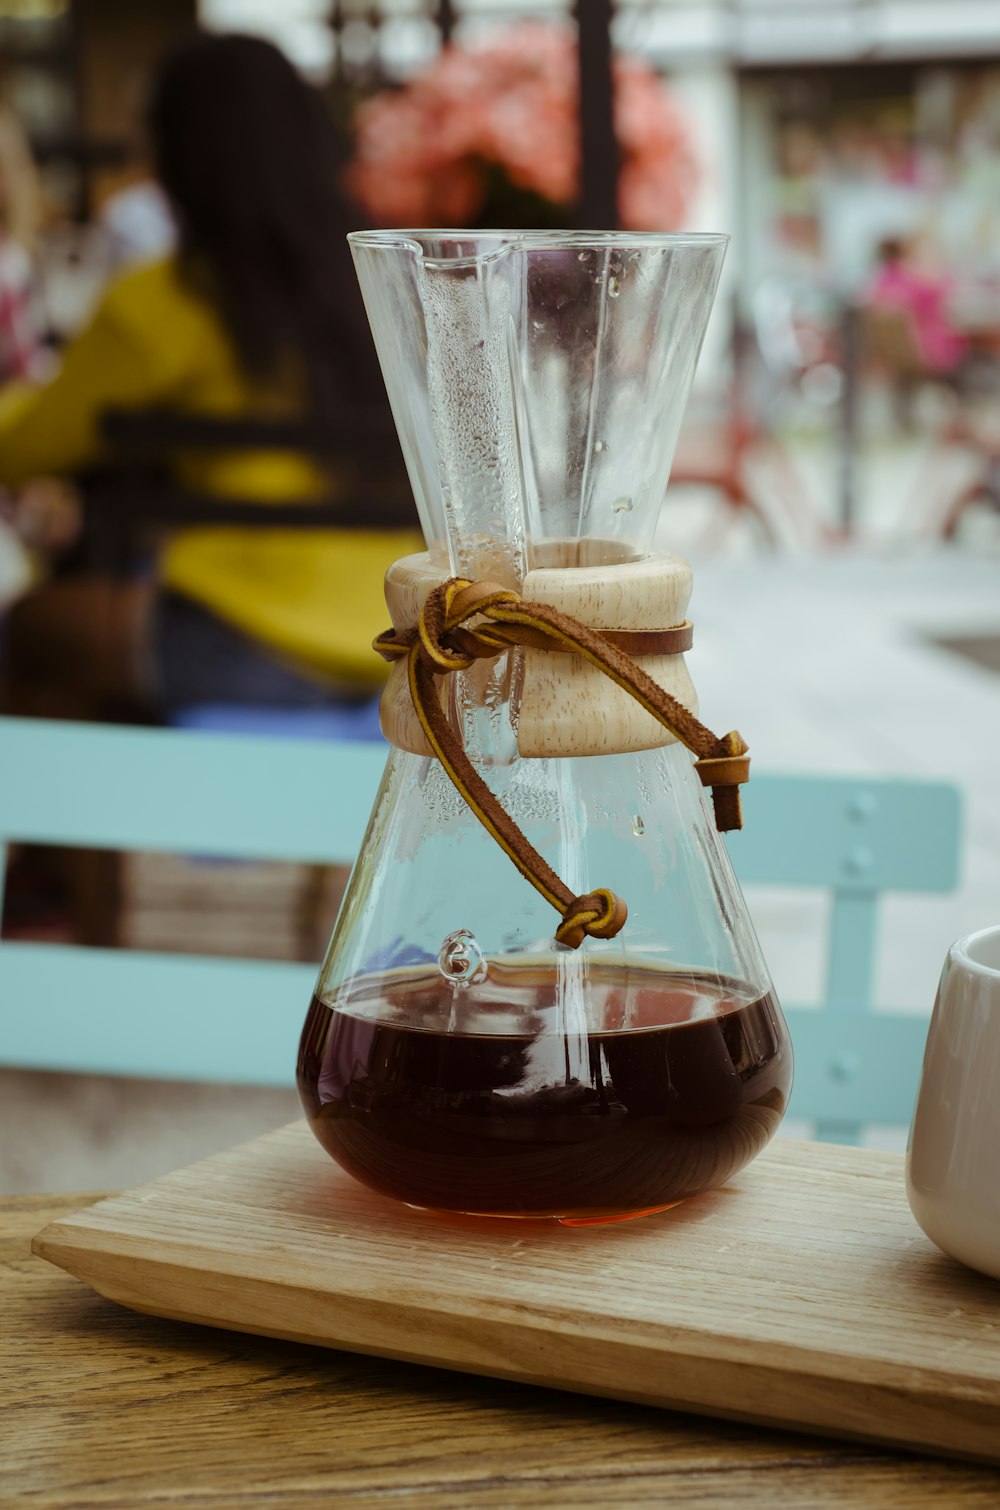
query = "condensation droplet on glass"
{"x": 600, "y": 445}
{"x": 538, "y": 324}
{"x": 582, "y": 256}
{"x": 614, "y": 287}
{"x": 622, "y": 506}
{"x": 460, "y": 959}
{"x": 638, "y": 827}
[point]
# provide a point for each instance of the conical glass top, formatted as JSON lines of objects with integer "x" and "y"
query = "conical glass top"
{"x": 538, "y": 381}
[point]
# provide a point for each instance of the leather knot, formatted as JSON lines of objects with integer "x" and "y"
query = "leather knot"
{"x": 444, "y": 644}
{"x": 598, "y": 914}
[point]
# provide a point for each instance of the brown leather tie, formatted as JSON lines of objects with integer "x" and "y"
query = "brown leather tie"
{"x": 443, "y": 642}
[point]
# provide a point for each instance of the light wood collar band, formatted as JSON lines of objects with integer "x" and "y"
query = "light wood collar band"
{"x": 443, "y": 641}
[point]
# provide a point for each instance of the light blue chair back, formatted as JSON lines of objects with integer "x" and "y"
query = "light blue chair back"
{"x": 167, "y": 1015}
{"x": 185, "y": 1017}
{"x": 857, "y": 839}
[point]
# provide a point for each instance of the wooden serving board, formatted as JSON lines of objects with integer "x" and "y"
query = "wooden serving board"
{"x": 803, "y": 1295}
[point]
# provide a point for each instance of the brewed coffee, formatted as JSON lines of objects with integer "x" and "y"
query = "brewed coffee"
{"x": 677, "y": 1082}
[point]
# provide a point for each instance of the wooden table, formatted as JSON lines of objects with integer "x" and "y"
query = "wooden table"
{"x": 101, "y": 1407}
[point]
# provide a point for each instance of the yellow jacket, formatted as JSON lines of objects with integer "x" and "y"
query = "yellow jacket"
{"x": 314, "y": 596}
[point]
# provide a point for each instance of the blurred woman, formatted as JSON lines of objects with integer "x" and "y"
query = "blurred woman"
{"x": 256, "y": 314}
{"x": 19, "y": 213}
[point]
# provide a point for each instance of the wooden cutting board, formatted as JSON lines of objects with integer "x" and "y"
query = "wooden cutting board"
{"x": 803, "y": 1295}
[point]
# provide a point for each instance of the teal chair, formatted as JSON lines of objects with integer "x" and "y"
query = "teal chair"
{"x": 166, "y": 1015}
{"x": 855, "y": 838}
{"x": 173, "y": 1016}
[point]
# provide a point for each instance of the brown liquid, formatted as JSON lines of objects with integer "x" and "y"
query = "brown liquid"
{"x": 681, "y": 1083}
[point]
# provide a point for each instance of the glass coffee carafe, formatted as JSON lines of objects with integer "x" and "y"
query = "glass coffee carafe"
{"x": 491, "y": 1033}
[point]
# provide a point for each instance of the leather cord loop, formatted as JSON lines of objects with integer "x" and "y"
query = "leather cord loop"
{"x": 443, "y": 642}
{"x": 486, "y": 641}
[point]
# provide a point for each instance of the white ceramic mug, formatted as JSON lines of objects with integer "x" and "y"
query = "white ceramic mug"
{"x": 953, "y": 1161}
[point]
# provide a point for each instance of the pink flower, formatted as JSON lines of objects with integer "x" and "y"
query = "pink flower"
{"x": 509, "y": 102}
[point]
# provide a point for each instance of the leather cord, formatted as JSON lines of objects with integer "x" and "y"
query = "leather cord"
{"x": 443, "y": 642}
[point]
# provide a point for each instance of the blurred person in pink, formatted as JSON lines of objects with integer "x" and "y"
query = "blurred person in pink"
{"x": 902, "y": 283}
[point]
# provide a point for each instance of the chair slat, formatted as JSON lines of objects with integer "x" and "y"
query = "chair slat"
{"x": 856, "y": 837}
{"x": 161, "y": 1016}
{"x": 849, "y": 834}
{"x": 856, "y": 1067}
{"x": 200, "y": 794}
{"x": 850, "y": 970}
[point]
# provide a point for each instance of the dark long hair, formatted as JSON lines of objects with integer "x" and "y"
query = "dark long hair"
{"x": 250, "y": 159}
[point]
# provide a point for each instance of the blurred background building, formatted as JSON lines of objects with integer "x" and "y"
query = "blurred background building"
{"x": 822, "y": 131}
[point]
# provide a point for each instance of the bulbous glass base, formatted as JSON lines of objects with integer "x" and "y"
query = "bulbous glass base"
{"x": 511, "y": 1102}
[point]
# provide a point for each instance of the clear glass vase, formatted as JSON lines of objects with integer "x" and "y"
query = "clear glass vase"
{"x": 455, "y": 1055}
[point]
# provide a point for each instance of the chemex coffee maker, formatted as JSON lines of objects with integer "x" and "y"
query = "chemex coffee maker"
{"x": 543, "y": 997}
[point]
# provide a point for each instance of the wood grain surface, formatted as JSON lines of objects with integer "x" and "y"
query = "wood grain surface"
{"x": 106, "y": 1410}
{"x": 803, "y": 1295}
